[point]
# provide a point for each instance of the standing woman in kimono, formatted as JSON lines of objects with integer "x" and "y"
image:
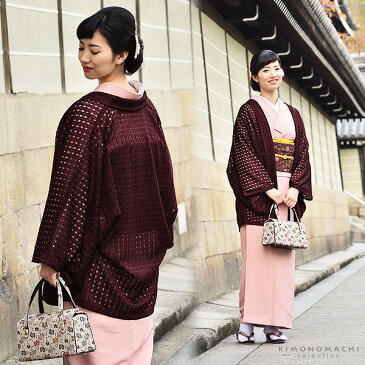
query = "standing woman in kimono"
{"x": 111, "y": 204}
{"x": 268, "y": 163}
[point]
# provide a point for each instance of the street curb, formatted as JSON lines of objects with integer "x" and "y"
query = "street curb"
{"x": 177, "y": 296}
{"x": 173, "y": 316}
{"x": 324, "y": 274}
{"x": 205, "y": 339}
{"x": 202, "y": 341}
{"x": 212, "y": 337}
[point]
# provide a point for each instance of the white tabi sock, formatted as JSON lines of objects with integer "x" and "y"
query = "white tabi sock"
{"x": 246, "y": 328}
{"x": 268, "y": 329}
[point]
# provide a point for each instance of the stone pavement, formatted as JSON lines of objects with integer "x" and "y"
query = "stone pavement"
{"x": 329, "y": 328}
{"x": 186, "y": 333}
{"x": 212, "y": 322}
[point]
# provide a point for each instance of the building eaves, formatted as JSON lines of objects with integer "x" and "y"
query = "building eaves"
{"x": 359, "y": 59}
{"x": 326, "y": 50}
{"x": 312, "y": 53}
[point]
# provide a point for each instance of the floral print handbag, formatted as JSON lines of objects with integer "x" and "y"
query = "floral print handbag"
{"x": 284, "y": 234}
{"x": 51, "y": 335}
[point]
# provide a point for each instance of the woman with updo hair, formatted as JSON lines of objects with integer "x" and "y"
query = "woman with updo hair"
{"x": 268, "y": 163}
{"x": 111, "y": 205}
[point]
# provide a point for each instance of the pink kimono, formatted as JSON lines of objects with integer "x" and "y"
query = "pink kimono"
{"x": 267, "y": 280}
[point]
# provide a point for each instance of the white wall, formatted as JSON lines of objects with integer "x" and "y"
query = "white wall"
{"x": 350, "y": 162}
{"x": 34, "y": 46}
{"x": 184, "y": 49}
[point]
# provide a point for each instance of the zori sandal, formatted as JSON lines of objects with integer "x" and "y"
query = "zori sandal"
{"x": 276, "y": 337}
{"x": 249, "y": 338}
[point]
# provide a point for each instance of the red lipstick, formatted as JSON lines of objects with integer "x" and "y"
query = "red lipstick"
{"x": 86, "y": 69}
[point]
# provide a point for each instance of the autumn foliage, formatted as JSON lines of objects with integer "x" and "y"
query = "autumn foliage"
{"x": 356, "y": 42}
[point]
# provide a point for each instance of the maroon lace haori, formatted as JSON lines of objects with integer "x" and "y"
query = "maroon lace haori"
{"x": 252, "y": 170}
{"x": 111, "y": 204}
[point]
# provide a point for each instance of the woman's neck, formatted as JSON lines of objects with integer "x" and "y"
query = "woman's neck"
{"x": 272, "y": 96}
{"x": 120, "y": 79}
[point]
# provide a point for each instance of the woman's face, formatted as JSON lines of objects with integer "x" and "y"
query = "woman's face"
{"x": 270, "y": 76}
{"x": 97, "y": 59}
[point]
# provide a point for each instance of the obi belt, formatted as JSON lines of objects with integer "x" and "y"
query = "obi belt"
{"x": 284, "y": 154}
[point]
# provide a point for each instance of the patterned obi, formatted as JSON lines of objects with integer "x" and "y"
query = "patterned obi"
{"x": 284, "y": 154}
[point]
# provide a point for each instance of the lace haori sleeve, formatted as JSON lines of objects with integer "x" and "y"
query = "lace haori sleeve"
{"x": 72, "y": 212}
{"x": 245, "y": 171}
{"x": 301, "y": 175}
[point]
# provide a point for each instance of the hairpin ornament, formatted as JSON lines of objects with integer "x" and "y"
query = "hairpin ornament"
{"x": 138, "y": 47}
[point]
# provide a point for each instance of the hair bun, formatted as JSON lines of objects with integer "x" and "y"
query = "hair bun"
{"x": 118, "y": 26}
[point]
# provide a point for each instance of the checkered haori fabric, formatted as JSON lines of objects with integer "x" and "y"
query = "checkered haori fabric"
{"x": 251, "y": 168}
{"x": 111, "y": 204}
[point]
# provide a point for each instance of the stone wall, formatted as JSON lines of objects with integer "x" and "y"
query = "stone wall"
{"x": 351, "y": 171}
{"x": 195, "y": 72}
{"x": 174, "y": 109}
{"x": 29, "y": 124}
{"x": 215, "y": 230}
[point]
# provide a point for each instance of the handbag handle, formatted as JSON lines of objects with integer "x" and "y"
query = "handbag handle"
{"x": 39, "y": 289}
{"x": 61, "y": 283}
{"x": 275, "y": 207}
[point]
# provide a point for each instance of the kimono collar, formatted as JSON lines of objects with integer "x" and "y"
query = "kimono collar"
{"x": 279, "y": 120}
{"x": 117, "y": 102}
{"x": 271, "y": 110}
{"x": 122, "y": 92}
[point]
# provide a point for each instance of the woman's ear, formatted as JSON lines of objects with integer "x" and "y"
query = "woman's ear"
{"x": 254, "y": 78}
{"x": 121, "y": 57}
